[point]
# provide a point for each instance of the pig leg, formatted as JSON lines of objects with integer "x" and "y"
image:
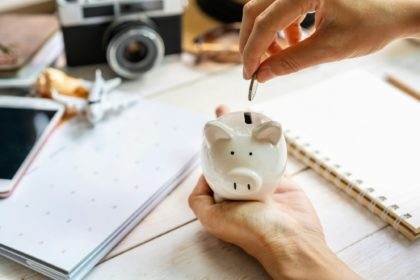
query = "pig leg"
{"x": 218, "y": 198}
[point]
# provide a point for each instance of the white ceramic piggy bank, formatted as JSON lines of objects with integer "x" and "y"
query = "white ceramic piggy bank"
{"x": 243, "y": 156}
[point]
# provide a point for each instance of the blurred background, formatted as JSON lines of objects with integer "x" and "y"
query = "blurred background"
{"x": 37, "y": 34}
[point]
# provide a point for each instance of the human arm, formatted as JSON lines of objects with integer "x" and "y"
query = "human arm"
{"x": 283, "y": 233}
{"x": 343, "y": 29}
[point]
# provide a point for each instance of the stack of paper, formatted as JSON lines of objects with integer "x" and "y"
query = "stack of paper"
{"x": 91, "y": 185}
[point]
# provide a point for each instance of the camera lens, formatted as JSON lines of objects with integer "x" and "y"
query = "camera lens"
{"x": 134, "y": 50}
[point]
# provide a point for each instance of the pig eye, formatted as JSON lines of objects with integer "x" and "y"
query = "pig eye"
{"x": 232, "y": 153}
{"x": 250, "y": 153}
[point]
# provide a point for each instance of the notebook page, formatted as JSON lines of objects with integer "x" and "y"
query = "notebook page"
{"x": 366, "y": 127}
{"x": 94, "y": 179}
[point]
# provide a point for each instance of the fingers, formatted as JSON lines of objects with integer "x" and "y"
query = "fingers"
{"x": 293, "y": 33}
{"x": 279, "y": 15}
{"x": 202, "y": 188}
{"x": 251, "y": 10}
{"x": 309, "y": 52}
{"x": 201, "y": 199}
{"x": 221, "y": 110}
{"x": 275, "y": 46}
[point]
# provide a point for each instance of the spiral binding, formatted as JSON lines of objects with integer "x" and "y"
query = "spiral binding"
{"x": 331, "y": 171}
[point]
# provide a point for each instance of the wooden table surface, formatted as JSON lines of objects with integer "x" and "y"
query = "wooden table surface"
{"x": 171, "y": 244}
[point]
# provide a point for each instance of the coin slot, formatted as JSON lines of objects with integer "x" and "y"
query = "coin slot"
{"x": 247, "y": 117}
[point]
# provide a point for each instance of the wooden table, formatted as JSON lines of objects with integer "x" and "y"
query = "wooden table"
{"x": 171, "y": 244}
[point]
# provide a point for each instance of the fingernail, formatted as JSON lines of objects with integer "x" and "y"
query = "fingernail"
{"x": 247, "y": 74}
{"x": 265, "y": 74}
{"x": 244, "y": 72}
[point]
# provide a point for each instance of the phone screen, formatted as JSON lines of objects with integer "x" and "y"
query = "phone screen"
{"x": 20, "y": 129}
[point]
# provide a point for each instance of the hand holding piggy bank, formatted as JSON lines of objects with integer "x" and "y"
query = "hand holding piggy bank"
{"x": 243, "y": 156}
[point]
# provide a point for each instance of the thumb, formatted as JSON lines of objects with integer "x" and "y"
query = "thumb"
{"x": 309, "y": 52}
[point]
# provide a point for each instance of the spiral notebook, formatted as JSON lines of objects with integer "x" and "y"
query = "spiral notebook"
{"x": 363, "y": 135}
{"x": 91, "y": 185}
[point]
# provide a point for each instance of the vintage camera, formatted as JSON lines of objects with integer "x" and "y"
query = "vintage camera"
{"x": 131, "y": 35}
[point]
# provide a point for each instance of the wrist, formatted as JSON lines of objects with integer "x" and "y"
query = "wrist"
{"x": 303, "y": 256}
{"x": 409, "y": 19}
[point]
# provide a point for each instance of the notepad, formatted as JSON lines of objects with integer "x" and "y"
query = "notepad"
{"x": 363, "y": 135}
{"x": 91, "y": 185}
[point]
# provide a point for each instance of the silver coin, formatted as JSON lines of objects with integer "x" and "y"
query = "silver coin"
{"x": 253, "y": 86}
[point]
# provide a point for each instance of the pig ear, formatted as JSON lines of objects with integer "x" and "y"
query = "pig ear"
{"x": 216, "y": 130}
{"x": 269, "y": 131}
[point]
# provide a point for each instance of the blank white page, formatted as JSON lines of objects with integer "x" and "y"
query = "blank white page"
{"x": 365, "y": 127}
{"x": 89, "y": 180}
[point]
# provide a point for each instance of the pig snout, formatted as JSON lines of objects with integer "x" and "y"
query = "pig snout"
{"x": 244, "y": 181}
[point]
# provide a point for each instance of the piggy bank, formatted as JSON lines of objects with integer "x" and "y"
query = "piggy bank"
{"x": 243, "y": 156}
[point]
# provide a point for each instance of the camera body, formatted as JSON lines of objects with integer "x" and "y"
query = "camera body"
{"x": 132, "y": 36}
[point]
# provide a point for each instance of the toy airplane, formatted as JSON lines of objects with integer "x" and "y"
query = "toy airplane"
{"x": 98, "y": 104}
